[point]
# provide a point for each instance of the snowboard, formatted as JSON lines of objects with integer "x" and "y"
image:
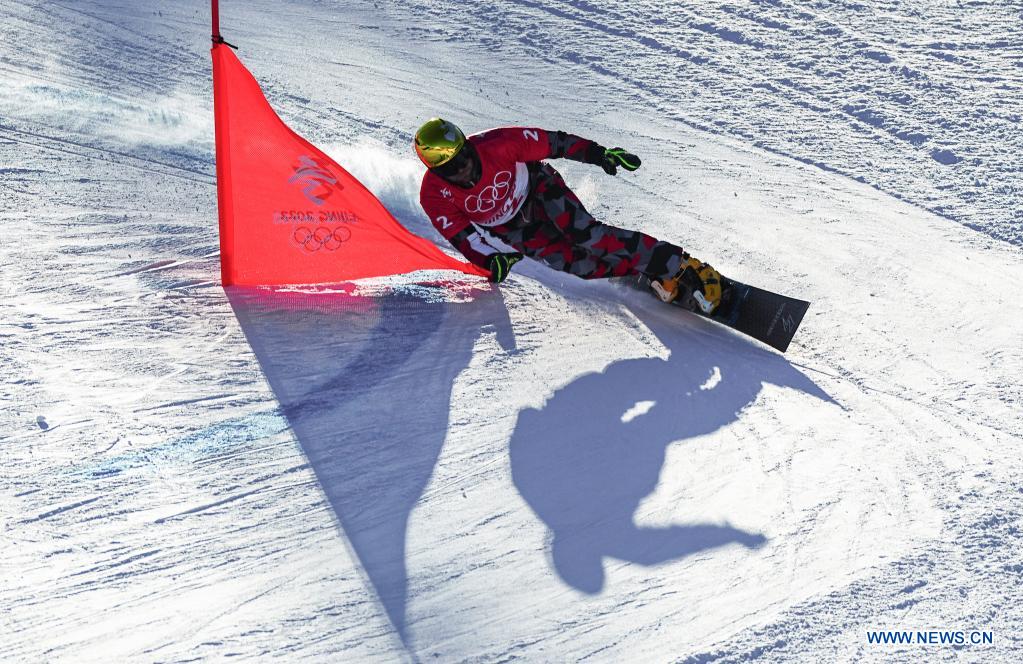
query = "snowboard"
{"x": 765, "y": 316}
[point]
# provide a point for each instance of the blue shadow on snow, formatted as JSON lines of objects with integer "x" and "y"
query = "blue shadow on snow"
{"x": 365, "y": 383}
{"x": 595, "y": 450}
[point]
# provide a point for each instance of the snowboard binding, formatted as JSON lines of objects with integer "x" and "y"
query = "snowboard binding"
{"x": 696, "y": 286}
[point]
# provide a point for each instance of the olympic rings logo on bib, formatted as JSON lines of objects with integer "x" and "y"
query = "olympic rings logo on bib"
{"x": 487, "y": 199}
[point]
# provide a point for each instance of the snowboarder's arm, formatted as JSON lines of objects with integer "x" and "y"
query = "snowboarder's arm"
{"x": 590, "y": 152}
{"x": 534, "y": 144}
{"x": 569, "y": 146}
{"x": 473, "y": 245}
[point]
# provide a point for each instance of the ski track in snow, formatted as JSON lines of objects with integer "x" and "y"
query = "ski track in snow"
{"x": 408, "y": 471}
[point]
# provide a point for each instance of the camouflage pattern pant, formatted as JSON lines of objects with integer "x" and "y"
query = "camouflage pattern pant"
{"x": 555, "y": 228}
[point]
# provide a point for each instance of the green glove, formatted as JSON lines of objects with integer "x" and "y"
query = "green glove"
{"x": 615, "y": 157}
{"x": 500, "y": 265}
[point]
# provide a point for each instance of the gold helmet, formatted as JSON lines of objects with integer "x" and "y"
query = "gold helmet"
{"x": 438, "y": 141}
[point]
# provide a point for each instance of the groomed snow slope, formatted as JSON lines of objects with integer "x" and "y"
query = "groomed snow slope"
{"x": 552, "y": 470}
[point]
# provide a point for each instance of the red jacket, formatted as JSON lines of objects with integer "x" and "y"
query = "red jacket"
{"x": 503, "y": 187}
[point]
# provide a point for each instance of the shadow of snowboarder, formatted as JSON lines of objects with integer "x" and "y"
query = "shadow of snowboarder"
{"x": 586, "y": 459}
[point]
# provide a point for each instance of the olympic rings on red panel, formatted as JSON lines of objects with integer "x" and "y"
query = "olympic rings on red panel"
{"x": 321, "y": 238}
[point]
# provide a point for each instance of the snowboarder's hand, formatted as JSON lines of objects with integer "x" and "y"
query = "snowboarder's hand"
{"x": 615, "y": 157}
{"x": 500, "y": 265}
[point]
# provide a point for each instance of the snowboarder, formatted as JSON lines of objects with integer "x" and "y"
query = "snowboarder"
{"x": 496, "y": 180}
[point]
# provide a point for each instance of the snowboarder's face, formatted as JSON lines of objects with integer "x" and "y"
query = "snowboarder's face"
{"x": 462, "y": 169}
{"x": 464, "y": 174}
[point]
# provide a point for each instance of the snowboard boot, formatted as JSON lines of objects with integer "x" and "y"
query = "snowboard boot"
{"x": 697, "y": 282}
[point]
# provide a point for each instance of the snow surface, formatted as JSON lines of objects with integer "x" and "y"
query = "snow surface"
{"x": 432, "y": 468}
